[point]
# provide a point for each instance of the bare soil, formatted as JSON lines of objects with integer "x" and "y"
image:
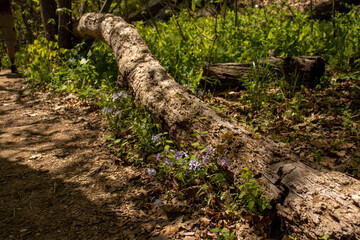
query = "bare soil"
{"x": 60, "y": 180}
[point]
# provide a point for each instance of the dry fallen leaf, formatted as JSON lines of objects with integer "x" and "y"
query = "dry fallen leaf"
{"x": 170, "y": 230}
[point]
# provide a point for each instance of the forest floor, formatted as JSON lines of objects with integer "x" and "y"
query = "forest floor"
{"x": 60, "y": 180}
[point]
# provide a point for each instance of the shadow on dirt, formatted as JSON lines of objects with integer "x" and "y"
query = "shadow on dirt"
{"x": 48, "y": 208}
{"x": 38, "y": 205}
{"x": 59, "y": 180}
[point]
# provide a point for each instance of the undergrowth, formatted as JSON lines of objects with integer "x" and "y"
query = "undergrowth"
{"x": 137, "y": 136}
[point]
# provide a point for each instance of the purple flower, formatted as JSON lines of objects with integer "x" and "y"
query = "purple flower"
{"x": 119, "y": 94}
{"x": 200, "y": 93}
{"x": 106, "y": 110}
{"x": 210, "y": 150}
{"x": 151, "y": 172}
{"x": 155, "y": 138}
{"x": 158, "y": 157}
{"x": 123, "y": 94}
{"x": 194, "y": 165}
{"x": 117, "y": 112}
{"x": 157, "y": 203}
{"x": 225, "y": 162}
{"x": 168, "y": 163}
{"x": 71, "y": 59}
{"x": 188, "y": 86}
{"x": 205, "y": 158}
{"x": 180, "y": 154}
{"x": 115, "y": 96}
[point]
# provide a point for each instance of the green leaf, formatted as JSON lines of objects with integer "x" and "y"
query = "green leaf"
{"x": 193, "y": 5}
{"x": 251, "y": 205}
{"x": 215, "y": 230}
{"x": 195, "y": 144}
{"x": 219, "y": 179}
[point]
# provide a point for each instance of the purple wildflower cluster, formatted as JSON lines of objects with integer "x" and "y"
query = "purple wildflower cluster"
{"x": 168, "y": 163}
{"x": 205, "y": 156}
{"x": 106, "y": 110}
{"x": 151, "y": 172}
{"x": 180, "y": 154}
{"x": 188, "y": 86}
{"x": 155, "y": 138}
{"x": 225, "y": 162}
{"x": 194, "y": 165}
{"x": 119, "y": 94}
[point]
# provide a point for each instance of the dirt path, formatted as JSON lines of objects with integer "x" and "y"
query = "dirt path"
{"x": 60, "y": 181}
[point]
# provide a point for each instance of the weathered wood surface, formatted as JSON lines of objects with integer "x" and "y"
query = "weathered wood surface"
{"x": 323, "y": 9}
{"x": 156, "y": 9}
{"x": 313, "y": 202}
{"x": 302, "y": 70}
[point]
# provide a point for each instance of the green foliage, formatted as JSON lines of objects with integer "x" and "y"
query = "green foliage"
{"x": 260, "y": 30}
{"x": 182, "y": 45}
{"x": 202, "y": 170}
{"x": 224, "y": 233}
{"x": 126, "y": 122}
{"x": 325, "y": 237}
{"x": 251, "y": 193}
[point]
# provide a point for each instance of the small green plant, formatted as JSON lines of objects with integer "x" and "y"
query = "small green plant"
{"x": 224, "y": 233}
{"x": 325, "y": 237}
{"x": 251, "y": 193}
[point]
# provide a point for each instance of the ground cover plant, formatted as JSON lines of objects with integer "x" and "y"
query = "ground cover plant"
{"x": 321, "y": 124}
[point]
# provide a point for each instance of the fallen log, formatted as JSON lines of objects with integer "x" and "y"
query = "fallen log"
{"x": 158, "y": 9}
{"x": 313, "y": 202}
{"x": 303, "y": 70}
{"x": 323, "y": 9}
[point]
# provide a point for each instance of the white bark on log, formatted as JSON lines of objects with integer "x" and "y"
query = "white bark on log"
{"x": 313, "y": 202}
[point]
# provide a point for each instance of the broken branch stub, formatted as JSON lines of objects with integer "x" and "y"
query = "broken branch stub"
{"x": 314, "y": 202}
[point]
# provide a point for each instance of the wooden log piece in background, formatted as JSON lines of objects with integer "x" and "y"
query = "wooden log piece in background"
{"x": 302, "y": 70}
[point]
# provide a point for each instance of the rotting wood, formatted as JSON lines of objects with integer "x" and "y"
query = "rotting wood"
{"x": 301, "y": 70}
{"x": 156, "y": 9}
{"x": 312, "y": 202}
{"x": 323, "y": 9}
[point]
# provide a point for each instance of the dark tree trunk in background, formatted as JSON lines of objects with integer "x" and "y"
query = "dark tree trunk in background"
{"x": 65, "y": 35}
{"x": 29, "y": 31}
{"x": 312, "y": 202}
{"x": 48, "y": 17}
{"x": 105, "y": 8}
